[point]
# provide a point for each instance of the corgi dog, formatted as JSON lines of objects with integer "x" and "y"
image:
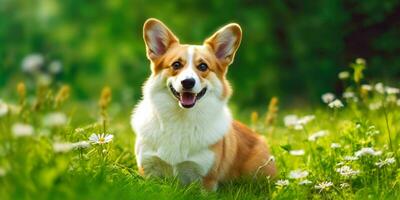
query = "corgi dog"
{"x": 183, "y": 125}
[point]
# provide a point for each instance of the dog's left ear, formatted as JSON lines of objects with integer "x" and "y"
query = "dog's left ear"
{"x": 225, "y": 42}
{"x": 158, "y": 38}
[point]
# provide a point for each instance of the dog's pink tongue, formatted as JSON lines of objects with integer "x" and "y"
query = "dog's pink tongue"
{"x": 188, "y": 98}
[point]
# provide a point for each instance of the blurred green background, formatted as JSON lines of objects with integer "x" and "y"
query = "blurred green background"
{"x": 291, "y": 49}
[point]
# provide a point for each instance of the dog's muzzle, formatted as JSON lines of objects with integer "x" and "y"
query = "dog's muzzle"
{"x": 187, "y": 99}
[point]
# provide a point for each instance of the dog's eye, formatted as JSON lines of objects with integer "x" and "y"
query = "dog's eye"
{"x": 202, "y": 67}
{"x": 176, "y": 65}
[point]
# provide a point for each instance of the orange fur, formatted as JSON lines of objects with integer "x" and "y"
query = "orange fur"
{"x": 241, "y": 152}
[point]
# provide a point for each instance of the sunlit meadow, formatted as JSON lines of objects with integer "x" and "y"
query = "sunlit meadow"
{"x": 55, "y": 147}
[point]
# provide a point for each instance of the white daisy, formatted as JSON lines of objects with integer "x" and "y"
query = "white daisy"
{"x": 299, "y": 152}
{"x": 317, "y": 135}
{"x": 323, "y": 186}
{"x": 298, "y": 174}
{"x": 375, "y": 105}
{"x": 350, "y": 158}
{"x": 22, "y": 130}
{"x": 367, "y": 151}
{"x": 346, "y": 171}
{"x": 55, "y": 67}
{"x": 366, "y": 87}
{"x": 59, "y": 147}
{"x": 305, "y": 120}
{"x": 387, "y": 161}
{"x": 392, "y": 90}
{"x": 290, "y": 120}
{"x": 328, "y": 97}
{"x": 3, "y": 108}
{"x": 305, "y": 182}
{"x": 344, "y": 185}
{"x": 282, "y": 183}
{"x": 348, "y": 95}
{"x": 336, "y": 104}
{"x": 55, "y": 119}
{"x": 100, "y": 138}
{"x": 335, "y": 145}
{"x": 379, "y": 87}
{"x": 81, "y": 145}
{"x": 344, "y": 75}
{"x": 296, "y": 122}
{"x": 32, "y": 63}
{"x": 62, "y": 147}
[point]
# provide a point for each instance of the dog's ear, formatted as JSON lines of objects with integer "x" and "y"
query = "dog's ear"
{"x": 225, "y": 42}
{"x": 158, "y": 38}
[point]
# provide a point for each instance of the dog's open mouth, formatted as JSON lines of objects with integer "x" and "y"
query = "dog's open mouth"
{"x": 187, "y": 99}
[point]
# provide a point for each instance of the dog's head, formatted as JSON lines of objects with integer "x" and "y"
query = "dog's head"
{"x": 191, "y": 72}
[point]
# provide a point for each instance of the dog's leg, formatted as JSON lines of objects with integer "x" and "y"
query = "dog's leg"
{"x": 155, "y": 167}
{"x": 210, "y": 183}
{"x": 187, "y": 172}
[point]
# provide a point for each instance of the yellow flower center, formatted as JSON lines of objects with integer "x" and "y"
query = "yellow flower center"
{"x": 102, "y": 140}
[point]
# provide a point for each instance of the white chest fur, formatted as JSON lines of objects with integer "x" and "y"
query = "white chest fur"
{"x": 176, "y": 135}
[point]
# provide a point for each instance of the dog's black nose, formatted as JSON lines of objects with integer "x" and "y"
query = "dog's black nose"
{"x": 188, "y": 83}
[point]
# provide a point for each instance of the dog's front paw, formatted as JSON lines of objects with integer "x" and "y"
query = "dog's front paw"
{"x": 155, "y": 167}
{"x": 187, "y": 172}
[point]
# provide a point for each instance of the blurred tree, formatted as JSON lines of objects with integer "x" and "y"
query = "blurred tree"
{"x": 291, "y": 49}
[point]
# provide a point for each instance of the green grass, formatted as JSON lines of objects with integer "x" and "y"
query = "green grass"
{"x": 32, "y": 166}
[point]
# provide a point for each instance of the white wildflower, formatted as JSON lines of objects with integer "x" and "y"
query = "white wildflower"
{"x": 344, "y": 75}
{"x": 348, "y": 95}
{"x": 305, "y": 182}
{"x": 3, "y": 108}
{"x": 366, "y": 87}
{"x": 344, "y": 185}
{"x": 350, "y": 158}
{"x": 81, "y": 145}
{"x": 282, "y": 183}
{"x": 323, "y": 186}
{"x": 340, "y": 164}
{"x": 387, "y": 161}
{"x": 392, "y": 90}
{"x": 299, "y": 152}
{"x": 375, "y": 106}
{"x": 55, "y": 67}
{"x": 32, "y": 63}
{"x": 360, "y": 61}
{"x": 380, "y": 88}
{"x": 347, "y": 171}
{"x": 336, "y": 104}
{"x": 367, "y": 151}
{"x": 328, "y": 97}
{"x": 317, "y": 135}
{"x": 290, "y": 120}
{"x": 100, "y": 138}
{"x": 63, "y": 147}
{"x": 55, "y": 119}
{"x": 298, "y": 174}
{"x": 22, "y": 130}
{"x": 304, "y": 120}
{"x": 335, "y": 145}
{"x": 296, "y": 122}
